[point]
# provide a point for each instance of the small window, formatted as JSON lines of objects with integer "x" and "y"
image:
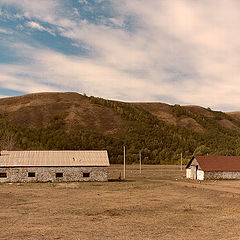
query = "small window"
{"x": 86, "y": 174}
{"x": 3, "y": 175}
{"x": 59, "y": 174}
{"x": 31, "y": 174}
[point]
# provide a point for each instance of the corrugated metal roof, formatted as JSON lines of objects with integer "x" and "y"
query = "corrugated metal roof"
{"x": 53, "y": 158}
{"x": 219, "y": 163}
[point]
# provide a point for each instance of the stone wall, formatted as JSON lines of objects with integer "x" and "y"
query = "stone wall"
{"x": 222, "y": 175}
{"x": 46, "y": 174}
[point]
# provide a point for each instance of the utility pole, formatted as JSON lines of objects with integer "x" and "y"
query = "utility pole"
{"x": 140, "y": 160}
{"x": 181, "y": 161}
{"x": 124, "y": 162}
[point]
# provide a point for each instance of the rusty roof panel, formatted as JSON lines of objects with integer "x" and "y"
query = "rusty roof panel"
{"x": 219, "y": 163}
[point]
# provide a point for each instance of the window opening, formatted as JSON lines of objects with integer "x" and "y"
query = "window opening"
{"x": 31, "y": 174}
{"x": 59, "y": 174}
{"x": 86, "y": 174}
{"x": 3, "y": 175}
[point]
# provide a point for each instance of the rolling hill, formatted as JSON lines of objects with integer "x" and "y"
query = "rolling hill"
{"x": 74, "y": 121}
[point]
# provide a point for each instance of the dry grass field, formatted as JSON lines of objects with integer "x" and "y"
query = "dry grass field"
{"x": 158, "y": 204}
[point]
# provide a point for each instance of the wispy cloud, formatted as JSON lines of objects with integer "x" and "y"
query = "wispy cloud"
{"x": 44, "y": 9}
{"x": 35, "y": 25}
{"x": 174, "y": 51}
{"x": 3, "y": 96}
{"x": 83, "y": 1}
{"x": 75, "y": 73}
{"x": 75, "y": 11}
{"x": 5, "y": 31}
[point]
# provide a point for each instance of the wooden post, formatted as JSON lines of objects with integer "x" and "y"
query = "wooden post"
{"x": 181, "y": 161}
{"x": 124, "y": 162}
{"x": 140, "y": 160}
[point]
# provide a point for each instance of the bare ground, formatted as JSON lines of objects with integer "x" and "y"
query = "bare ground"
{"x": 158, "y": 204}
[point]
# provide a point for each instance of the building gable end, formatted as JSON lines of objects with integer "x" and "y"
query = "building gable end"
{"x": 194, "y": 162}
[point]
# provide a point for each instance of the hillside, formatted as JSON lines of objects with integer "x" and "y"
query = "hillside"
{"x": 36, "y": 110}
{"x": 164, "y": 112}
{"x": 235, "y": 115}
{"x": 73, "y": 121}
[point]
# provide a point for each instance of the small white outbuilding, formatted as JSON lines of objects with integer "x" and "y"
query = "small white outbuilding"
{"x": 213, "y": 167}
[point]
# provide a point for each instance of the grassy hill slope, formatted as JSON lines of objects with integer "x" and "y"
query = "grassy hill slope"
{"x": 39, "y": 109}
{"x": 74, "y": 121}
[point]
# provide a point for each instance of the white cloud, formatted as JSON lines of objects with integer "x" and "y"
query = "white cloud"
{"x": 3, "y": 96}
{"x": 182, "y": 50}
{"x": 20, "y": 27}
{"x": 195, "y": 39}
{"x": 12, "y": 77}
{"x": 83, "y": 1}
{"x": 44, "y": 9}
{"x": 35, "y": 25}
{"x": 68, "y": 72}
{"x": 5, "y": 31}
{"x": 117, "y": 21}
{"x": 14, "y": 82}
{"x": 75, "y": 11}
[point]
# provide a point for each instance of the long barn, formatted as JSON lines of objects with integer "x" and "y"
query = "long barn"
{"x": 53, "y": 166}
{"x": 213, "y": 167}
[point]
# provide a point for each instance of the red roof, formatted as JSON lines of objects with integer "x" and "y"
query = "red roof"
{"x": 219, "y": 163}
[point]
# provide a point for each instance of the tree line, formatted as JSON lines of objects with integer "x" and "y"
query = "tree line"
{"x": 159, "y": 142}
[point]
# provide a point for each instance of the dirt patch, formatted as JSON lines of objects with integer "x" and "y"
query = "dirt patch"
{"x": 161, "y": 110}
{"x": 228, "y": 124}
{"x": 190, "y": 124}
{"x": 157, "y": 204}
{"x": 199, "y": 110}
{"x": 164, "y": 112}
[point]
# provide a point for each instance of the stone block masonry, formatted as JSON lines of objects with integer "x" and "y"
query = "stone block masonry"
{"x": 222, "y": 175}
{"x": 53, "y": 174}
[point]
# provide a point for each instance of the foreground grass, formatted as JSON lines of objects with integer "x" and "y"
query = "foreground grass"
{"x": 158, "y": 204}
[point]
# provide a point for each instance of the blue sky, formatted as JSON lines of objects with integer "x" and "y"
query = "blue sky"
{"x": 178, "y": 51}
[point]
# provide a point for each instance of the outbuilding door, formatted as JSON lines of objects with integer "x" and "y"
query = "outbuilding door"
{"x": 194, "y": 172}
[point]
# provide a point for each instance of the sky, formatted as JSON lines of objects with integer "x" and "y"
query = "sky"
{"x": 174, "y": 51}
